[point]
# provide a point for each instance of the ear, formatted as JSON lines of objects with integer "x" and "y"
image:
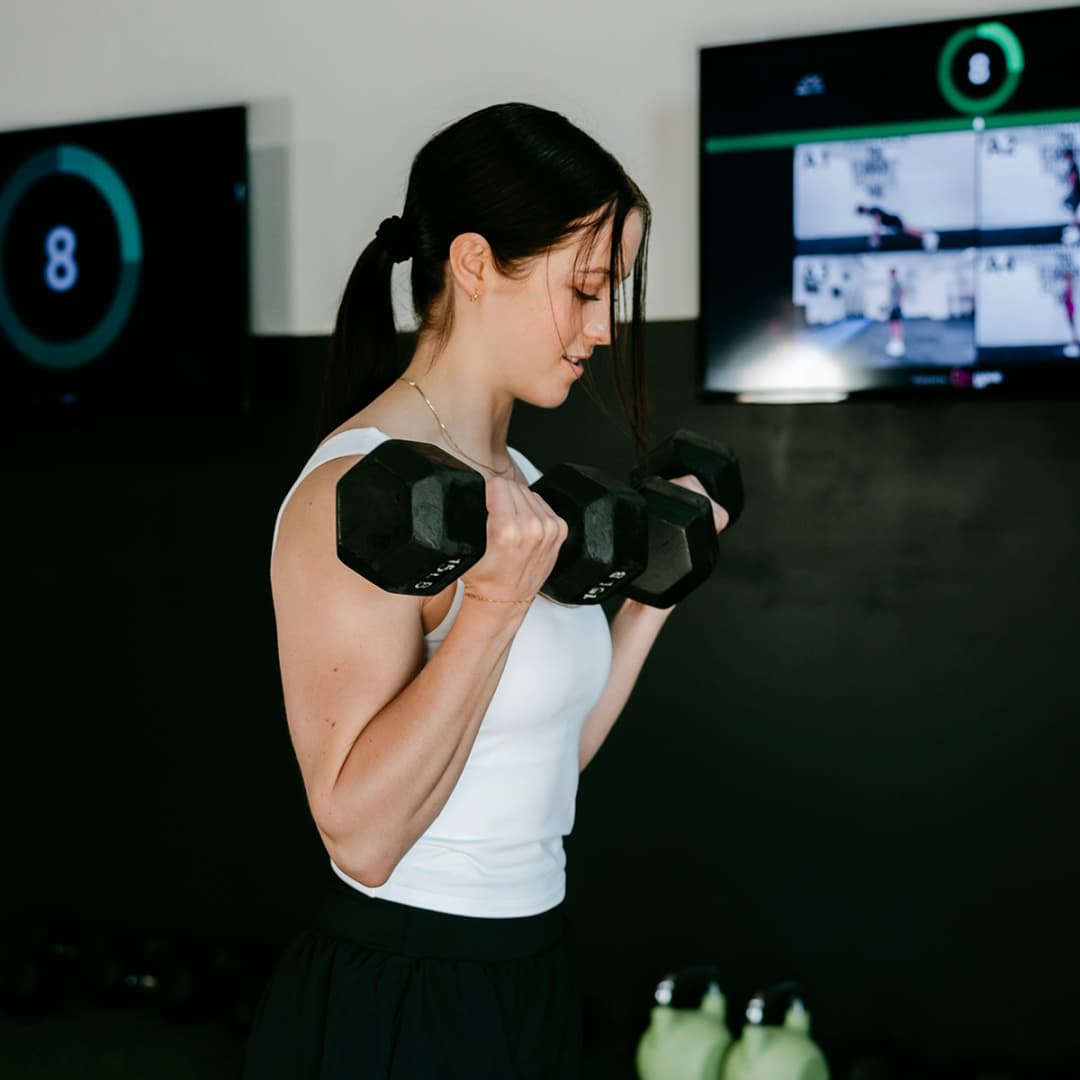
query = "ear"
{"x": 471, "y": 263}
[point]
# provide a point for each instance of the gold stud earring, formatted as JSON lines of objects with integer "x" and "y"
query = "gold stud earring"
{"x": 475, "y": 296}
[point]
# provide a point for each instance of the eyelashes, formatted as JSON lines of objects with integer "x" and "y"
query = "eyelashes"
{"x": 581, "y": 295}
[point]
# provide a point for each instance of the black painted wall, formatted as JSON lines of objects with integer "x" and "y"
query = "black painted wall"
{"x": 851, "y": 758}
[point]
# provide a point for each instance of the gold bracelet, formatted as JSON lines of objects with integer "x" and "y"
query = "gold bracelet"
{"x": 488, "y": 600}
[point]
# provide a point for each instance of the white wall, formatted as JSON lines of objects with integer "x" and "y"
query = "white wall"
{"x": 344, "y": 93}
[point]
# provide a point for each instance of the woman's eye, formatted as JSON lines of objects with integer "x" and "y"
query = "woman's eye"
{"x": 581, "y": 295}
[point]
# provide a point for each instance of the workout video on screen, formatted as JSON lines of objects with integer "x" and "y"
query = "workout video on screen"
{"x": 1026, "y": 307}
{"x": 941, "y": 249}
{"x": 1029, "y": 186}
{"x": 886, "y": 309}
{"x": 911, "y": 193}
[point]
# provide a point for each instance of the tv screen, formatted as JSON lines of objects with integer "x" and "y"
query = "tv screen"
{"x": 892, "y": 211}
{"x": 124, "y": 264}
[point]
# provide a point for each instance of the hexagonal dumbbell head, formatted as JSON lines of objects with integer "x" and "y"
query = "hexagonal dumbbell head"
{"x": 682, "y": 544}
{"x": 607, "y": 539}
{"x": 687, "y": 453}
{"x": 410, "y": 517}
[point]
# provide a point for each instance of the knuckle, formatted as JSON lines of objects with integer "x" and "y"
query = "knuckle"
{"x": 535, "y": 529}
{"x": 506, "y": 533}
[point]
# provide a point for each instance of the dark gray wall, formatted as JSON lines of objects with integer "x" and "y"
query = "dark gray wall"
{"x": 851, "y": 758}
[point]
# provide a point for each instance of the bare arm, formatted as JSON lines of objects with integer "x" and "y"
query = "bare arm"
{"x": 381, "y": 737}
{"x": 633, "y": 631}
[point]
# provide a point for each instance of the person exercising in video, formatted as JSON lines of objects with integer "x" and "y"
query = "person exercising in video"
{"x": 1072, "y": 182}
{"x": 884, "y": 221}
{"x": 896, "y": 346}
{"x": 1068, "y": 299}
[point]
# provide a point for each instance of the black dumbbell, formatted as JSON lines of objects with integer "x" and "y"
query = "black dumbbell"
{"x": 682, "y": 535}
{"x": 411, "y": 518}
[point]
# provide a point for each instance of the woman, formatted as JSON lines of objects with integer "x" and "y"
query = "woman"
{"x": 440, "y": 738}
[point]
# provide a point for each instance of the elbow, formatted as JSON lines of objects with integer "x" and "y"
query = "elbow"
{"x": 370, "y": 872}
{"x": 359, "y": 856}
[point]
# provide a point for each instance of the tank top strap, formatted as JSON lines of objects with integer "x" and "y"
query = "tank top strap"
{"x": 344, "y": 444}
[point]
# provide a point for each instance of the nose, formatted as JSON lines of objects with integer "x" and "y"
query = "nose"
{"x": 596, "y": 331}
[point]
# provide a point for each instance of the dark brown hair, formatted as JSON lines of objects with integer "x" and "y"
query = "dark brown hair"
{"x": 526, "y": 179}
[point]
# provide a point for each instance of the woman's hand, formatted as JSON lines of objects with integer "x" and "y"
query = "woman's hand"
{"x": 720, "y": 515}
{"x": 523, "y": 539}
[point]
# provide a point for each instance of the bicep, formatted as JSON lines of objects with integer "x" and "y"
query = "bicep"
{"x": 346, "y": 647}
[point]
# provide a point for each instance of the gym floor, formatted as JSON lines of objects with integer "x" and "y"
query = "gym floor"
{"x": 126, "y": 1044}
{"x": 114, "y": 1044}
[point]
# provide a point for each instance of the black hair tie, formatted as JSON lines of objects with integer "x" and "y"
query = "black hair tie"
{"x": 394, "y": 238}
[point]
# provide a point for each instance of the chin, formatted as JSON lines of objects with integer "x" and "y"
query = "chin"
{"x": 549, "y": 394}
{"x": 550, "y": 400}
{"x": 555, "y": 396}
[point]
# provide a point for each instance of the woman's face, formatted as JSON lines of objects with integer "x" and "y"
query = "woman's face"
{"x": 544, "y": 326}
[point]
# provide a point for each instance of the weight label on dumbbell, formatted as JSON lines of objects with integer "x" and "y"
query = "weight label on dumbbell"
{"x": 436, "y": 575}
{"x": 604, "y": 586}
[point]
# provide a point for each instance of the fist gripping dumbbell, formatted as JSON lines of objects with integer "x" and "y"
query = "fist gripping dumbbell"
{"x": 411, "y": 519}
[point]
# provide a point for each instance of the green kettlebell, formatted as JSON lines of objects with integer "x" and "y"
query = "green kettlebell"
{"x": 685, "y": 1044}
{"x": 775, "y": 1042}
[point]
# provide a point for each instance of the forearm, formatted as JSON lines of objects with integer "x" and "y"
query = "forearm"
{"x": 633, "y": 632}
{"x": 404, "y": 764}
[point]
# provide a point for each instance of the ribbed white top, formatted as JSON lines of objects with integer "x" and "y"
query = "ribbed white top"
{"x": 496, "y": 848}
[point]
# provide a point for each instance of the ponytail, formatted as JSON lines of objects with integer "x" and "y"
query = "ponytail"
{"x": 363, "y": 359}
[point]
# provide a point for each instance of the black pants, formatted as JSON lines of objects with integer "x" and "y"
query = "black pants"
{"x": 379, "y": 990}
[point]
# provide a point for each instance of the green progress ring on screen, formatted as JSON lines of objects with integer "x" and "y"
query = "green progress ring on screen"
{"x": 72, "y": 160}
{"x": 1001, "y": 35}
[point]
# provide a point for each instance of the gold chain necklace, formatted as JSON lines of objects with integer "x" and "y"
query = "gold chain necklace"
{"x": 450, "y": 438}
{"x": 497, "y": 472}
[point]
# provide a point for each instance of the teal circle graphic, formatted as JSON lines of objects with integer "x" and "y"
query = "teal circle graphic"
{"x": 75, "y": 161}
{"x": 1000, "y": 35}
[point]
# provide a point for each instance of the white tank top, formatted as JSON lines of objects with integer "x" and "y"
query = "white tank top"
{"x": 496, "y": 849}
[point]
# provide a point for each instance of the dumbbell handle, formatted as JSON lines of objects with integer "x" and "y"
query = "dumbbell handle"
{"x": 622, "y": 542}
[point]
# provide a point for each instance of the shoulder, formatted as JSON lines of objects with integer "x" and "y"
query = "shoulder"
{"x": 308, "y": 580}
{"x": 308, "y": 515}
{"x": 338, "y": 452}
{"x": 312, "y": 497}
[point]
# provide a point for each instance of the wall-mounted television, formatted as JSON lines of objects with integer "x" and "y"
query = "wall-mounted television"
{"x": 124, "y": 278}
{"x": 892, "y": 212}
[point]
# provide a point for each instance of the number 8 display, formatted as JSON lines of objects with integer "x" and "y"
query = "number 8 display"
{"x": 61, "y": 269}
{"x": 999, "y": 34}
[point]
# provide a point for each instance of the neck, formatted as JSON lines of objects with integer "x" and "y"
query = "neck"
{"x": 475, "y": 412}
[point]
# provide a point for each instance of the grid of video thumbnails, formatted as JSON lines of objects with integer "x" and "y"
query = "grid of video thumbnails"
{"x": 954, "y": 249}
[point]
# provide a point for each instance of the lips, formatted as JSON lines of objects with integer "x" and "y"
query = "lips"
{"x": 576, "y": 365}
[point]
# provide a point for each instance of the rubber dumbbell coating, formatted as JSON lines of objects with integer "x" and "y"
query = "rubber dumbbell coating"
{"x": 683, "y": 547}
{"x": 686, "y": 453}
{"x": 411, "y": 518}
